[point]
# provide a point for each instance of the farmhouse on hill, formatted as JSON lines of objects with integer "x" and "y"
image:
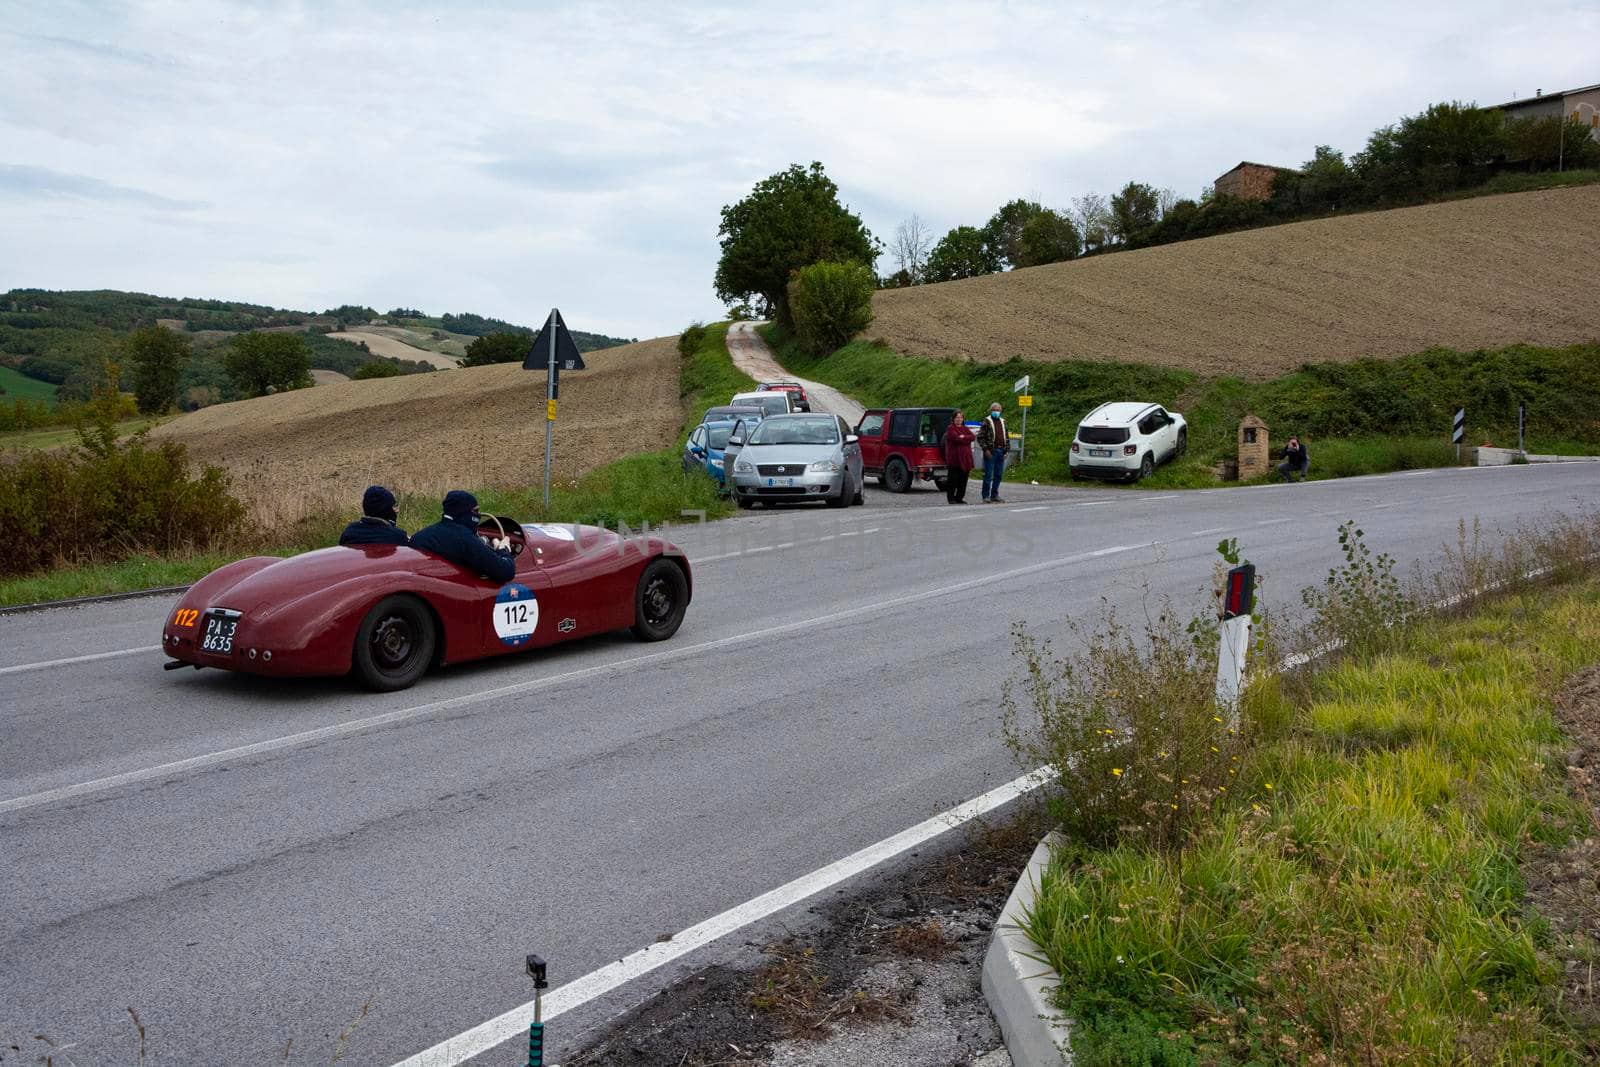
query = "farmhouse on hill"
{"x": 1582, "y": 104}
{"x": 1249, "y": 181}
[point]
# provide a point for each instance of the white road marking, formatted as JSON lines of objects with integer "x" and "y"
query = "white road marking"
{"x": 355, "y": 726}
{"x": 1018, "y": 511}
{"x": 763, "y": 548}
{"x": 1090, "y": 503}
{"x": 1274, "y": 522}
{"x": 41, "y": 665}
{"x": 874, "y": 529}
{"x": 954, "y": 518}
{"x": 580, "y": 991}
{"x": 1214, "y": 529}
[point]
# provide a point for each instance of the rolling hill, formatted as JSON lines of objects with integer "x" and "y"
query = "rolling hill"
{"x": 1466, "y": 274}
{"x": 298, "y": 453}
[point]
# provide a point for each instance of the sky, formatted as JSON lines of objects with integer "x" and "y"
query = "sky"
{"x": 504, "y": 158}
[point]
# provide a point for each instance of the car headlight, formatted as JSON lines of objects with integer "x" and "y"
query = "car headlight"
{"x": 742, "y": 467}
{"x": 717, "y": 463}
{"x": 824, "y": 466}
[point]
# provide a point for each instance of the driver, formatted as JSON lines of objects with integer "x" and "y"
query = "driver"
{"x": 376, "y": 526}
{"x": 455, "y": 538}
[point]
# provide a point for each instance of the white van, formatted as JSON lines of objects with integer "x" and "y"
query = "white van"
{"x": 772, "y": 401}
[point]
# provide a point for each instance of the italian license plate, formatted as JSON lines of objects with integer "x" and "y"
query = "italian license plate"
{"x": 1100, "y": 452}
{"x": 780, "y": 481}
{"x": 218, "y": 634}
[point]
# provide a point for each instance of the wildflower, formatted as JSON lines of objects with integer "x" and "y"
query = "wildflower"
{"x": 1214, "y": 748}
{"x": 1121, "y": 960}
{"x": 1215, "y": 718}
{"x": 1267, "y": 784}
{"x": 1116, "y": 772}
{"x": 1222, "y": 789}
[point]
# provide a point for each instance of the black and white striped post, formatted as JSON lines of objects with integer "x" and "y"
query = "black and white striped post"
{"x": 1459, "y": 431}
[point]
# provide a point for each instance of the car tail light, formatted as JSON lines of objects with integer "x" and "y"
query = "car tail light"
{"x": 1074, "y": 446}
{"x": 1130, "y": 450}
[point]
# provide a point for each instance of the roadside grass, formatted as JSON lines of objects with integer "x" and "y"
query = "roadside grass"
{"x": 1367, "y": 417}
{"x": 649, "y": 488}
{"x": 1352, "y": 894}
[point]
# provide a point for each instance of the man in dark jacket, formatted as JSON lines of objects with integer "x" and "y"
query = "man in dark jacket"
{"x": 455, "y": 538}
{"x": 1296, "y": 460}
{"x": 995, "y": 442}
{"x": 376, "y": 526}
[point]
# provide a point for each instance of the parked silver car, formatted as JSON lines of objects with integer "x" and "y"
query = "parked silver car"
{"x": 797, "y": 458}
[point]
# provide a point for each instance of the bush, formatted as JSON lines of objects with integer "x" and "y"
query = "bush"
{"x": 689, "y": 340}
{"x": 376, "y": 368}
{"x": 109, "y": 500}
{"x": 830, "y": 303}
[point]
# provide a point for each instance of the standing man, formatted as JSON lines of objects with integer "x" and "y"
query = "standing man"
{"x": 957, "y": 458}
{"x": 995, "y": 442}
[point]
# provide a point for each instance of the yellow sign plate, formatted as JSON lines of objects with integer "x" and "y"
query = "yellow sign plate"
{"x": 1024, "y": 401}
{"x": 550, "y": 410}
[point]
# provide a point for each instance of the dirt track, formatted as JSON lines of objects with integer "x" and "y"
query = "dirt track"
{"x": 380, "y": 345}
{"x": 474, "y": 427}
{"x": 1468, "y": 274}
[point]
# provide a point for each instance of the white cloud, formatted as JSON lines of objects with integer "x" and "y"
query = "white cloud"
{"x": 503, "y": 159}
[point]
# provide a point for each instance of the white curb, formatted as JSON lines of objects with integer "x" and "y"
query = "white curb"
{"x": 1018, "y": 984}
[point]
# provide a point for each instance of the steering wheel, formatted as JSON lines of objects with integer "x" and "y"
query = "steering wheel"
{"x": 492, "y": 532}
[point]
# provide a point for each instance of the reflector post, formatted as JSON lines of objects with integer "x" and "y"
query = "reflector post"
{"x": 1241, "y": 592}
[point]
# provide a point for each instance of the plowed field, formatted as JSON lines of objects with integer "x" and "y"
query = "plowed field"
{"x": 297, "y": 453}
{"x": 1468, "y": 274}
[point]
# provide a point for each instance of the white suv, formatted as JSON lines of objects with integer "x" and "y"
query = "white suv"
{"x": 1126, "y": 440}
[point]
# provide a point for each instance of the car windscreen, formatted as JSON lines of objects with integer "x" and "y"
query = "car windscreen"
{"x": 1103, "y": 435}
{"x": 818, "y": 431}
{"x": 720, "y": 434}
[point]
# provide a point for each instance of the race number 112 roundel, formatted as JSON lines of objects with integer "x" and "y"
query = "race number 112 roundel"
{"x": 516, "y": 614}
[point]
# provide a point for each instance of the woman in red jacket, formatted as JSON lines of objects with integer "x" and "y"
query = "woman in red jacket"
{"x": 957, "y": 459}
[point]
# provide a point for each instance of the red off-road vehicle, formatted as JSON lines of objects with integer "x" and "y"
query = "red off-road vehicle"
{"x": 903, "y": 445}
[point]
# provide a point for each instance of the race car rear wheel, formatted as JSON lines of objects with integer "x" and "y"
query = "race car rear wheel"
{"x": 395, "y": 644}
{"x": 659, "y": 601}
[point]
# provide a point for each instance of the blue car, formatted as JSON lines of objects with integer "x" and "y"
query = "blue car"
{"x": 704, "y": 450}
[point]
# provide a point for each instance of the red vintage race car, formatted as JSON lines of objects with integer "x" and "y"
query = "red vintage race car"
{"x": 387, "y": 613}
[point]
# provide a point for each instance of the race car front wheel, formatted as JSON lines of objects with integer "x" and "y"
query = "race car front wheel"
{"x": 395, "y": 644}
{"x": 659, "y": 601}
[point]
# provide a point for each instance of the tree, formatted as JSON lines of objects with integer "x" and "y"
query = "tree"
{"x": 790, "y": 220}
{"x": 496, "y": 348}
{"x": 1136, "y": 208}
{"x": 1445, "y": 147}
{"x": 830, "y": 303}
{"x": 375, "y": 368}
{"x": 912, "y": 239}
{"x": 1092, "y": 215}
{"x": 1004, "y": 229}
{"x": 1556, "y": 141}
{"x": 158, "y": 357}
{"x": 961, "y": 253}
{"x": 1048, "y": 237}
{"x": 257, "y": 362}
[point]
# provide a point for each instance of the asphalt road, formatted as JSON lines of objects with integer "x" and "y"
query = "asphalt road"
{"x": 837, "y": 680}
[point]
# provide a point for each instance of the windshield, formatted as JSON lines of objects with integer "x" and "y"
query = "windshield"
{"x": 819, "y": 431}
{"x": 719, "y": 435}
{"x": 1103, "y": 435}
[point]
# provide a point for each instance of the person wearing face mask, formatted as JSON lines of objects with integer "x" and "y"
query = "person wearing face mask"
{"x": 455, "y": 538}
{"x": 995, "y": 443}
{"x": 376, "y": 526}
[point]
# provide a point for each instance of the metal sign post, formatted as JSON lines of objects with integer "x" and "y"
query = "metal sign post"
{"x": 561, "y": 353}
{"x": 1024, "y": 401}
{"x": 1459, "y": 431}
{"x": 1522, "y": 427}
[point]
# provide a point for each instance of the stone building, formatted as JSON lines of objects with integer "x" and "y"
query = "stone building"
{"x": 1255, "y": 452}
{"x": 1581, "y": 104}
{"x": 1248, "y": 181}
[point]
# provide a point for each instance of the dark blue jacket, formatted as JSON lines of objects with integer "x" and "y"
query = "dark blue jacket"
{"x": 370, "y": 531}
{"x": 458, "y": 542}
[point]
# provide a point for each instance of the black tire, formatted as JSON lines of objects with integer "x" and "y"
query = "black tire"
{"x": 896, "y": 475}
{"x": 845, "y": 493}
{"x": 1147, "y": 467}
{"x": 1183, "y": 442}
{"x": 395, "y": 644}
{"x": 942, "y": 484}
{"x": 745, "y": 503}
{"x": 861, "y": 494}
{"x": 659, "y": 601}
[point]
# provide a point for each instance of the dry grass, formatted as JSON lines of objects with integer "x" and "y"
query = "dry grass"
{"x": 1469, "y": 274}
{"x": 300, "y": 453}
{"x": 383, "y": 345}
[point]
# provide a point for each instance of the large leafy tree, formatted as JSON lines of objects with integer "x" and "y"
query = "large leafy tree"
{"x": 1048, "y": 237}
{"x": 790, "y": 220}
{"x": 158, "y": 357}
{"x": 1447, "y": 146}
{"x": 497, "y": 348}
{"x": 1004, "y": 229}
{"x": 257, "y": 362}
{"x": 1137, "y": 207}
{"x": 961, "y": 253}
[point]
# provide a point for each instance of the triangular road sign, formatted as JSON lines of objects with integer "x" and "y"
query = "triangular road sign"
{"x": 567, "y": 356}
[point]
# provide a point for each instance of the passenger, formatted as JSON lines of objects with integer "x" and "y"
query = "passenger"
{"x": 455, "y": 538}
{"x": 376, "y": 526}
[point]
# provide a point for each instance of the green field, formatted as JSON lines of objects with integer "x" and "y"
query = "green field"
{"x": 19, "y": 386}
